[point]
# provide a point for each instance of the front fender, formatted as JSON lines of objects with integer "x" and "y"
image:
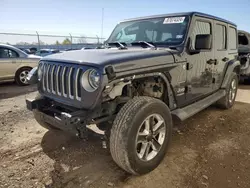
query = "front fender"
{"x": 233, "y": 65}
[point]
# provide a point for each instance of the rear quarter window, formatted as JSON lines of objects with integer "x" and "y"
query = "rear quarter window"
{"x": 232, "y": 38}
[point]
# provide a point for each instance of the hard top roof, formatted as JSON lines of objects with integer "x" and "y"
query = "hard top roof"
{"x": 182, "y": 14}
{"x": 244, "y": 32}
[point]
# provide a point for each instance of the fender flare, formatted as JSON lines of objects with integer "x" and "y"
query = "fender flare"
{"x": 233, "y": 66}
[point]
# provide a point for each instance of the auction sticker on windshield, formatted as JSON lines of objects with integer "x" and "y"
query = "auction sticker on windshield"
{"x": 172, "y": 20}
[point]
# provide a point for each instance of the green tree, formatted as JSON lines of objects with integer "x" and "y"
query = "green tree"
{"x": 57, "y": 42}
{"x": 66, "y": 41}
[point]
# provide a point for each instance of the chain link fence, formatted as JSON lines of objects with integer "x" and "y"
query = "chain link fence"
{"x": 47, "y": 41}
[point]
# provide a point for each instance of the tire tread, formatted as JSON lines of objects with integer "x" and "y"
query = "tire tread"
{"x": 117, "y": 142}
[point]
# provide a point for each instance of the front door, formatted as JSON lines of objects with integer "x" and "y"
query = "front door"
{"x": 200, "y": 65}
{"x": 8, "y": 63}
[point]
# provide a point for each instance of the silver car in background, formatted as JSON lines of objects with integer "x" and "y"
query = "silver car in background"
{"x": 16, "y": 64}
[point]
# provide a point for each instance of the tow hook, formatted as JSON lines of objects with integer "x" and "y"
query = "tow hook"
{"x": 81, "y": 128}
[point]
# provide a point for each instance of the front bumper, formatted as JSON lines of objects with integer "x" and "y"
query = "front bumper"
{"x": 73, "y": 122}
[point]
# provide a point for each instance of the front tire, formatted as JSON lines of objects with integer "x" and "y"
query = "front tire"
{"x": 21, "y": 76}
{"x": 140, "y": 135}
{"x": 231, "y": 91}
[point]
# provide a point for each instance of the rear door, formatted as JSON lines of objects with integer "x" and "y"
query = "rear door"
{"x": 221, "y": 53}
{"x": 8, "y": 63}
{"x": 199, "y": 75}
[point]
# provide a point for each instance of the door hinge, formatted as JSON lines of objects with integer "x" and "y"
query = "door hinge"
{"x": 188, "y": 89}
{"x": 189, "y": 66}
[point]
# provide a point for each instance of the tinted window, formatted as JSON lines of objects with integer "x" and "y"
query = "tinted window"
{"x": 200, "y": 28}
{"x": 232, "y": 36}
{"x": 7, "y": 53}
{"x": 220, "y": 37}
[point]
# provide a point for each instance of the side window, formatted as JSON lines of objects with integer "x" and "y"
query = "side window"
{"x": 220, "y": 37}
{"x": 232, "y": 36}
{"x": 7, "y": 53}
{"x": 200, "y": 28}
{"x": 4, "y": 53}
{"x": 12, "y": 54}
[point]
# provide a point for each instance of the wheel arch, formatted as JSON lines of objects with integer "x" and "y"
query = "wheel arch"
{"x": 233, "y": 66}
{"x": 169, "y": 97}
{"x": 22, "y": 67}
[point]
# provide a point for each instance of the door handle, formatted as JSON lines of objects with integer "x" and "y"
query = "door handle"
{"x": 212, "y": 61}
{"x": 225, "y": 59}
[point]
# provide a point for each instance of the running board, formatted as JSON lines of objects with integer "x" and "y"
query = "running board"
{"x": 190, "y": 110}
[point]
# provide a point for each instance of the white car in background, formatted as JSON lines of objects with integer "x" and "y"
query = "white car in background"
{"x": 16, "y": 64}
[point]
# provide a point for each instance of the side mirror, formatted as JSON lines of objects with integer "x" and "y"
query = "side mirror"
{"x": 203, "y": 42}
{"x": 190, "y": 48}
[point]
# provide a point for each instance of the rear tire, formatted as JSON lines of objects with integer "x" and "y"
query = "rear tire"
{"x": 231, "y": 91}
{"x": 140, "y": 135}
{"x": 21, "y": 76}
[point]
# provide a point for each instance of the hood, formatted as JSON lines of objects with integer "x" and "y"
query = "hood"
{"x": 34, "y": 56}
{"x": 102, "y": 57}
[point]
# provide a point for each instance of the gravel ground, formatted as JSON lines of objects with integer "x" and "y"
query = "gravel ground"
{"x": 210, "y": 149}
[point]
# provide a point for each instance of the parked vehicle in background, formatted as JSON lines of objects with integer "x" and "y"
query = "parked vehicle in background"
{"x": 70, "y": 49}
{"x": 87, "y": 48}
{"x": 33, "y": 50}
{"x": 16, "y": 64}
{"x": 153, "y": 68}
{"x": 45, "y": 52}
{"x": 244, "y": 54}
{"x": 27, "y": 51}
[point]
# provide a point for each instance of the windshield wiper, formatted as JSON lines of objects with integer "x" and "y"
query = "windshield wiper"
{"x": 143, "y": 43}
{"x": 119, "y": 45}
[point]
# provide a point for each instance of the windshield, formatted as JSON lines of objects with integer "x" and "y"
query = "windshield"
{"x": 166, "y": 31}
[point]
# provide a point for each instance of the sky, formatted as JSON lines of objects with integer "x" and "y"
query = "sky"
{"x": 84, "y": 17}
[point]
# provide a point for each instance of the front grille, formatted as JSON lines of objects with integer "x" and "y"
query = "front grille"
{"x": 62, "y": 80}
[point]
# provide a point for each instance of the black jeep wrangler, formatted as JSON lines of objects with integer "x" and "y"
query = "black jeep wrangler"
{"x": 151, "y": 70}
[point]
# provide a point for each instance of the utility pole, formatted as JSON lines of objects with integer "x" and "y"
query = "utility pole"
{"x": 102, "y": 23}
{"x": 39, "y": 47}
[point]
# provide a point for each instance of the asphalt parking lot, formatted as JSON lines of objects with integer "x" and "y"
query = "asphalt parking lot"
{"x": 210, "y": 149}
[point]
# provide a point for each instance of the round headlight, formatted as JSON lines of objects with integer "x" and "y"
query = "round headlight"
{"x": 90, "y": 80}
{"x": 94, "y": 79}
{"x": 40, "y": 72}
